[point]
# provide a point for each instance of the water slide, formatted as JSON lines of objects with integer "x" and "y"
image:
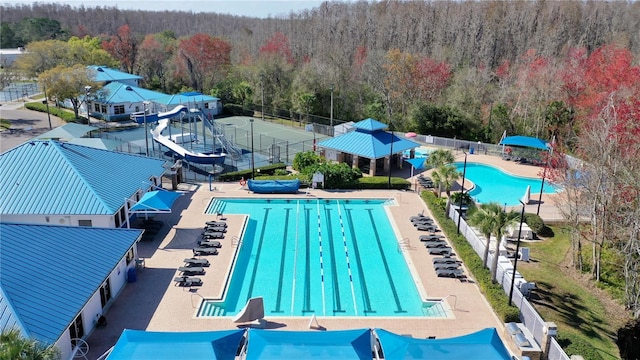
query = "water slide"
{"x": 190, "y": 156}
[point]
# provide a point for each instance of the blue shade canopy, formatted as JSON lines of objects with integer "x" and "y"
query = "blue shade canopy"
{"x": 485, "y": 342}
{"x": 417, "y": 163}
{"x": 300, "y": 345}
{"x": 138, "y": 344}
{"x": 525, "y": 141}
{"x": 156, "y": 201}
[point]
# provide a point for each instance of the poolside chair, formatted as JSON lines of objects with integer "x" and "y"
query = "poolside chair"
{"x": 187, "y": 281}
{"x": 205, "y": 251}
{"x": 216, "y": 223}
{"x": 446, "y": 266}
{"x": 436, "y": 244}
{"x": 221, "y": 229}
{"x": 191, "y": 270}
{"x": 210, "y": 243}
{"x": 446, "y": 251}
{"x": 446, "y": 260}
{"x": 212, "y": 235}
{"x": 449, "y": 273}
{"x": 431, "y": 237}
{"x": 196, "y": 262}
{"x": 424, "y": 220}
{"x": 426, "y": 227}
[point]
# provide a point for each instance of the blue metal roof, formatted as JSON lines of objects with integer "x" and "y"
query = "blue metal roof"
{"x": 370, "y": 125}
{"x": 107, "y": 74}
{"x": 50, "y": 272}
{"x": 185, "y": 98}
{"x": 371, "y": 145}
{"x": 49, "y": 177}
{"x": 118, "y": 93}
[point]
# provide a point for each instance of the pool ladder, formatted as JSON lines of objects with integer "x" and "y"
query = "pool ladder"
{"x": 404, "y": 244}
{"x": 235, "y": 240}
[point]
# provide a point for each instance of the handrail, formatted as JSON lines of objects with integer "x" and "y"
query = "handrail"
{"x": 106, "y": 354}
{"x": 454, "y": 303}
{"x": 405, "y": 243}
{"x": 235, "y": 240}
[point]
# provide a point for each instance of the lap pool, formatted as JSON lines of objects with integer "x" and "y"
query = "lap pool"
{"x": 319, "y": 257}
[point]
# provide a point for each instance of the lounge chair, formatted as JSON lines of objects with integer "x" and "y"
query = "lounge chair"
{"x": 424, "y": 220}
{"x": 440, "y": 251}
{"x": 196, "y": 262}
{"x": 216, "y": 223}
{"x": 205, "y": 251}
{"x": 446, "y": 260}
{"x": 455, "y": 273}
{"x": 435, "y": 244}
{"x": 187, "y": 281}
{"x": 210, "y": 243}
{"x": 446, "y": 266}
{"x": 216, "y": 229}
{"x": 191, "y": 270}
{"x": 430, "y": 237}
{"x": 212, "y": 235}
{"x": 426, "y": 227}
{"x": 419, "y": 216}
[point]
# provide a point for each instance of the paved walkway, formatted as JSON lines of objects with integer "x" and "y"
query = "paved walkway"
{"x": 25, "y": 124}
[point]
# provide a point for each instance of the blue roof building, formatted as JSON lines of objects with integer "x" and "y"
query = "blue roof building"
{"x": 106, "y": 75}
{"x": 116, "y": 101}
{"x": 56, "y": 292}
{"x": 368, "y": 141}
{"x": 48, "y": 182}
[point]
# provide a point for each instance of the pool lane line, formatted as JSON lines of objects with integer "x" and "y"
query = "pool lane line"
{"x": 258, "y": 252}
{"x": 363, "y": 281}
{"x": 282, "y": 262}
{"x": 324, "y": 307}
{"x": 337, "y": 303}
{"x": 295, "y": 257}
{"x": 307, "y": 265}
{"x": 346, "y": 254}
{"x": 387, "y": 269}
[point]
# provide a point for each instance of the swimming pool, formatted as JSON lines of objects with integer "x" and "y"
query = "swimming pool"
{"x": 495, "y": 185}
{"x": 319, "y": 257}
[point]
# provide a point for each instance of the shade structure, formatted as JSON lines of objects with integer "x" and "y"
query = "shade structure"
{"x": 155, "y": 202}
{"x": 416, "y": 163}
{"x": 525, "y": 141}
{"x": 301, "y": 345}
{"x": 485, "y": 342}
{"x": 139, "y": 344}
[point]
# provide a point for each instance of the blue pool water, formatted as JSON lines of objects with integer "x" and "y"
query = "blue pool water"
{"x": 319, "y": 257}
{"x": 494, "y": 185}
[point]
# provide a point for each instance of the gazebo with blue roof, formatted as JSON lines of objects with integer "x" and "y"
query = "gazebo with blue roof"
{"x": 367, "y": 141}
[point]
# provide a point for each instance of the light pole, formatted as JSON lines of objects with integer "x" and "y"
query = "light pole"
{"x": 515, "y": 262}
{"x": 253, "y": 161}
{"x": 146, "y": 131}
{"x": 390, "y": 155}
{"x": 87, "y": 91}
{"x": 262, "y": 101}
{"x": 331, "y": 111}
{"x": 46, "y": 102}
{"x": 544, "y": 175}
{"x": 464, "y": 172}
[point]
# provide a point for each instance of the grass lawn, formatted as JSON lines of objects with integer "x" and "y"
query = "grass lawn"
{"x": 5, "y": 124}
{"x": 579, "y": 312}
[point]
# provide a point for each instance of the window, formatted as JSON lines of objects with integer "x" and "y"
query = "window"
{"x": 118, "y": 109}
{"x": 96, "y": 107}
{"x": 76, "y": 330}
{"x": 105, "y": 293}
{"x": 129, "y": 256}
{"x": 206, "y": 105}
{"x": 104, "y": 109}
{"x": 85, "y": 223}
{"x": 116, "y": 219}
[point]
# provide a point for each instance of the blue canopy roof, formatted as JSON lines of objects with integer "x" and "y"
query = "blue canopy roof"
{"x": 300, "y": 345}
{"x": 139, "y": 344}
{"x": 417, "y": 163}
{"x": 485, "y": 342}
{"x": 156, "y": 201}
{"x": 525, "y": 141}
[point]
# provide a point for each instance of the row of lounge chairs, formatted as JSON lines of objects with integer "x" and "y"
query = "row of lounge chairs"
{"x": 424, "y": 223}
{"x": 444, "y": 266}
{"x": 425, "y": 181}
{"x": 192, "y": 266}
{"x": 206, "y": 246}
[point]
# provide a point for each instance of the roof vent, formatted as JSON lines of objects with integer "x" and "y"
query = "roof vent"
{"x": 128, "y": 88}
{"x": 513, "y": 329}
{"x": 99, "y": 69}
{"x": 521, "y": 340}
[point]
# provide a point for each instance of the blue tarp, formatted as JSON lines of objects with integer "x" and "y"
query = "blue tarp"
{"x": 274, "y": 186}
{"x": 525, "y": 141}
{"x": 300, "y": 345}
{"x": 156, "y": 201}
{"x": 140, "y": 345}
{"x": 484, "y": 344}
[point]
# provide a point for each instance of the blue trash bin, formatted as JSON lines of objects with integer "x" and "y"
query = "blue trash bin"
{"x": 131, "y": 275}
{"x": 471, "y": 150}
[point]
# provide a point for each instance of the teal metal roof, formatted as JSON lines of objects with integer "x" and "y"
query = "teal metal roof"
{"x": 107, "y": 74}
{"x": 68, "y": 131}
{"x": 370, "y": 125}
{"x": 50, "y": 272}
{"x": 49, "y": 177}
{"x": 371, "y": 145}
{"x": 184, "y": 98}
{"x": 118, "y": 93}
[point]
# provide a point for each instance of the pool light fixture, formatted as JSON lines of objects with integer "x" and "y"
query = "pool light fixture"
{"x": 515, "y": 261}
{"x": 464, "y": 172}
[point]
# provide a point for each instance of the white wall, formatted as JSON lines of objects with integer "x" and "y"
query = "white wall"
{"x": 66, "y": 220}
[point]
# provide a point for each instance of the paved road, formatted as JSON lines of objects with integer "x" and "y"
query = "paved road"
{"x": 25, "y": 124}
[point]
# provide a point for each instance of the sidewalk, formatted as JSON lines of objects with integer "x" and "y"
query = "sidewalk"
{"x": 25, "y": 124}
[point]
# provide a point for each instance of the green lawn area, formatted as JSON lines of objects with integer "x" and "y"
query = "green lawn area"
{"x": 579, "y": 314}
{"x": 5, "y": 124}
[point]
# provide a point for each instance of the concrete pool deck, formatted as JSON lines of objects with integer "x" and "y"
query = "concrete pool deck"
{"x": 154, "y": 303}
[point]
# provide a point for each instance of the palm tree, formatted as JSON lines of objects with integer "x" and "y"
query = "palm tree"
{"x": 492, "y": 219}
{"x": 444, "y": 176}
{"x": 15, "y": 346}
{"x": 439, "y": 158}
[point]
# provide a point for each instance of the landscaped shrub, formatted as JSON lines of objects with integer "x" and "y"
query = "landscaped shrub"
{"x": 246, "y": 174}
{"x": 536, "y": 224}
{"x": 62, "y": 114}
{"x": 382, "y": 182}
{"x": 303, "y": 161}
{"x": 574, "y": 345}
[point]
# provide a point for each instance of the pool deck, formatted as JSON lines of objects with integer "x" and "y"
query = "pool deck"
{"x": 155, "y": 303}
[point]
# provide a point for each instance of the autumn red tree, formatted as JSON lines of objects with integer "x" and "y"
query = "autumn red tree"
{"x": 430, "y": 78}
{"x": 277, "y": 45}
{"x": 155, "y": 53}
{"x": 203, "y": 60}
{"x": 124, "y": 47}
